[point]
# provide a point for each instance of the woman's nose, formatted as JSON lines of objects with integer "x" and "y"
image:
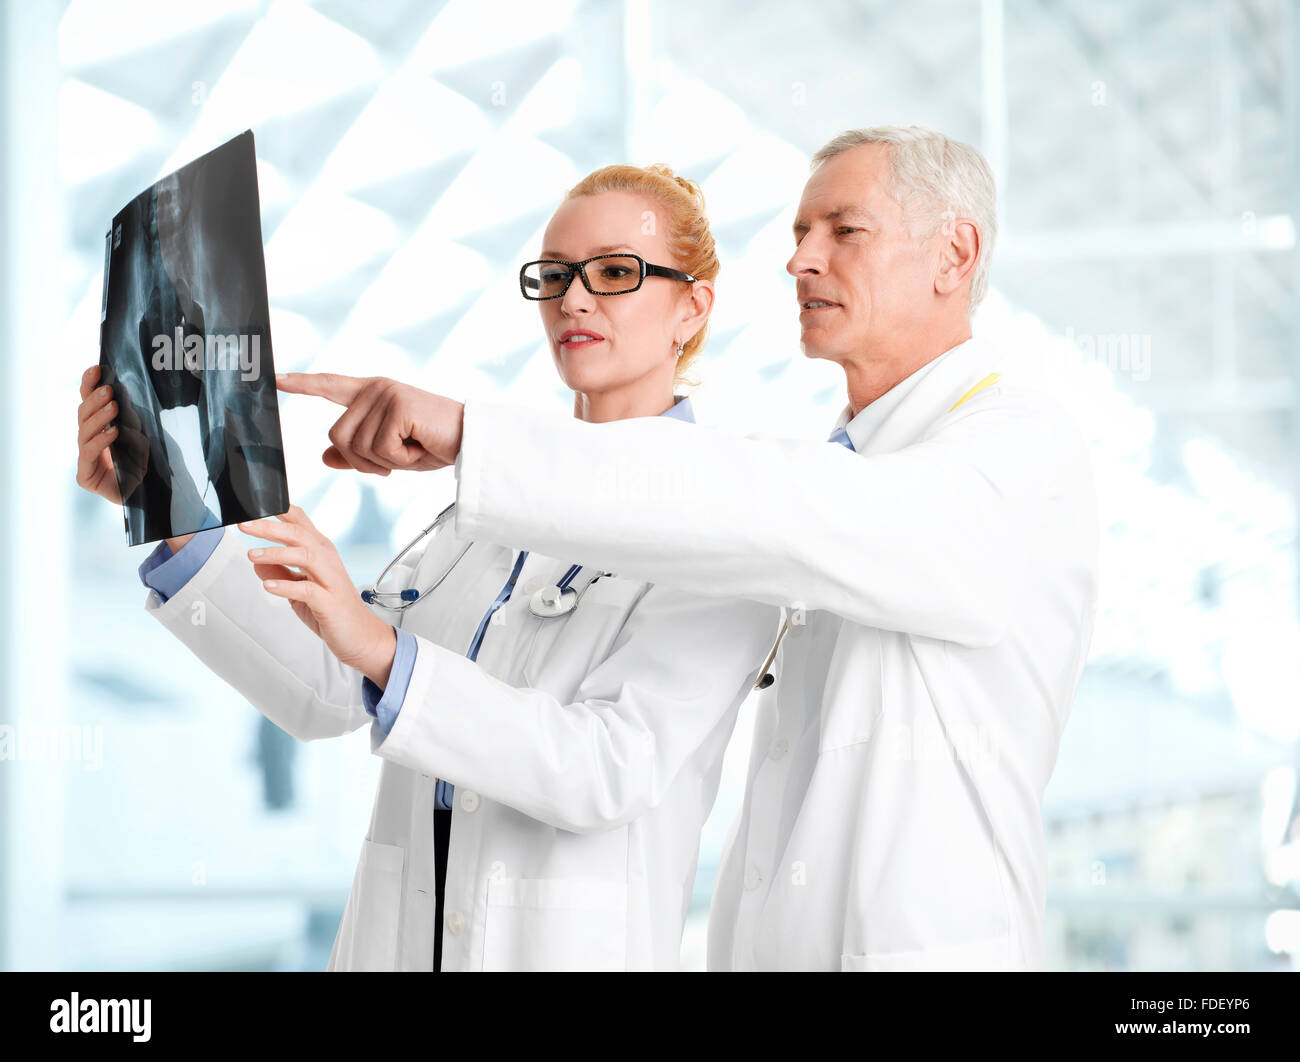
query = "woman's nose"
{"x": 577, "y": 299}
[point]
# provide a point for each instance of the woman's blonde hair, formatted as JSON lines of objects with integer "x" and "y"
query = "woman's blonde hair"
{"x": 689, "y": 240}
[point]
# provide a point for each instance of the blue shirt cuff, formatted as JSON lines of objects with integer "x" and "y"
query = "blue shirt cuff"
{"x": 384, "y": 704}
{"x": 166, "y": 572}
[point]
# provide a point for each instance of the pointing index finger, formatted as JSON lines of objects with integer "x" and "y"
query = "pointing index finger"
{"x": 329, "y": 385}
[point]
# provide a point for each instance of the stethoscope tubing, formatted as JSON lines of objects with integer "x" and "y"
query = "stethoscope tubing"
{"x": 406, "y": 598}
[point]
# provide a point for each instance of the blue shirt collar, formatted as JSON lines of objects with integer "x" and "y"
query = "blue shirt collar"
{"x": 680, "y": 409}
{"x": 858, "y": 430}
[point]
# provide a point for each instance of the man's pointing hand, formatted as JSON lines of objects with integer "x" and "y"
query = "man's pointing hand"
{"x": 387, "y": 424}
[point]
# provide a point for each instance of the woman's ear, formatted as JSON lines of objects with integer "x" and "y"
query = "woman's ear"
{"x": 697, "y": 309}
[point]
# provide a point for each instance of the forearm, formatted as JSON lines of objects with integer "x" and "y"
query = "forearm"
{"x": 378, "y": 664}
{"x": 671, "y": 686}
{"x": 255, "y": 643}
{"x": 571, "y": 766}
{"x": 926, "y": 540}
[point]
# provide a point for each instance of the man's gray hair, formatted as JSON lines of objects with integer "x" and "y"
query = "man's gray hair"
{"x": 931, "y": 175}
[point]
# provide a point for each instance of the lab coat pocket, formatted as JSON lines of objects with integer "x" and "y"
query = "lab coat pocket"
{"x": 368, "y": 936}
{"x": 569, "y": 924}
{"x": 992, "y": 954}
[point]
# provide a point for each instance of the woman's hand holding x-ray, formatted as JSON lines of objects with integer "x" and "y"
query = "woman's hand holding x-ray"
{"x": 98, "y": 426}
{"x": 388, "y": 425}
{"x": 96, "y": 431}
{"x": 321, "y": 593}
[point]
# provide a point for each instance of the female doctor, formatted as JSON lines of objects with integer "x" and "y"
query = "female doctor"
{"x": 554, "y": 731}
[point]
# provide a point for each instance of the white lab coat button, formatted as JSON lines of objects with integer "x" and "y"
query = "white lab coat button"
{"x": 534, "y": 584}
{"x": 469, "y": 801}
{"x": 779, "y": 748}
{"x": 456, "y": 922}
{"x": 753, "y": 878}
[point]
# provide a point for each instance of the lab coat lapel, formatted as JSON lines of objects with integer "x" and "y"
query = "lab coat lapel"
{"x": 947, "y": 381}
{"x": 956, "y": 372}
{"x": 959, "y": 709}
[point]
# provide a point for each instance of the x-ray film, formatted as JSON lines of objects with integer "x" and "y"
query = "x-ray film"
{"x": 185, "y": 343}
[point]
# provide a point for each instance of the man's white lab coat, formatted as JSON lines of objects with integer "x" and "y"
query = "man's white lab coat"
{"x": 941, "y": 585}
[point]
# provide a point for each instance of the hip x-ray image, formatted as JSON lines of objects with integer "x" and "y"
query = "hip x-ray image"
{"x": 185, "y": 343}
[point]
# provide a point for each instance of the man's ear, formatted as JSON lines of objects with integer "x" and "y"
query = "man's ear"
{"x": 959, "y": 250}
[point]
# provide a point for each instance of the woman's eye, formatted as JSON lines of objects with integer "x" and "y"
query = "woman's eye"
{"x": 614, "y": 272}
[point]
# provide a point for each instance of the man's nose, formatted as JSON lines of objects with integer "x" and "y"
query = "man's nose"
{"x": 807, "y": 260}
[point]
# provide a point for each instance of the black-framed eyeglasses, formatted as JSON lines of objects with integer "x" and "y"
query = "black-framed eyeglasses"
{"x": 616, "y": 274}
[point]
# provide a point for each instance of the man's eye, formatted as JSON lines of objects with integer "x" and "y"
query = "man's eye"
{"x": 844, "y": 230}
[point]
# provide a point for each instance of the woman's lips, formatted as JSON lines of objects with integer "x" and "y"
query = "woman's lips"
{"x": 575, "y": 339}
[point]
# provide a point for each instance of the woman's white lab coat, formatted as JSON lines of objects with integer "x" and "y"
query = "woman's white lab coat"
{"x": 585, "y": 751}
{"x": 942, "y": 583}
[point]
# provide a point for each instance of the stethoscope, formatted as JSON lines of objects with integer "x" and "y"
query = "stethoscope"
{"x": 557, "y": 599}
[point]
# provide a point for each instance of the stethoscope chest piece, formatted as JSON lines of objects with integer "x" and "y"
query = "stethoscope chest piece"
{"x": 551, "y": 601}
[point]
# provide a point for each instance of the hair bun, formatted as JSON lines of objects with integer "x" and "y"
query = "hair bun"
{"x": 689, "y": 186}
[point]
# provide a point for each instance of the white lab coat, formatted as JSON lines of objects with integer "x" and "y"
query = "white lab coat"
{"x": 942, "y": 585}
{"x": 579, "y": 799}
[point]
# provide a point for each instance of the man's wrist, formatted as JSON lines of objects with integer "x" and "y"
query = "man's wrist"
{"x": 459, "y": 421}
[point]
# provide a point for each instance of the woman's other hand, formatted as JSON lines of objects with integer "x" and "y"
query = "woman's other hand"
{"x": 321, "y": 593}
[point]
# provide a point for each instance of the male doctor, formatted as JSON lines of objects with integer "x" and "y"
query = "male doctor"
{"x": 938, "y": 561}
